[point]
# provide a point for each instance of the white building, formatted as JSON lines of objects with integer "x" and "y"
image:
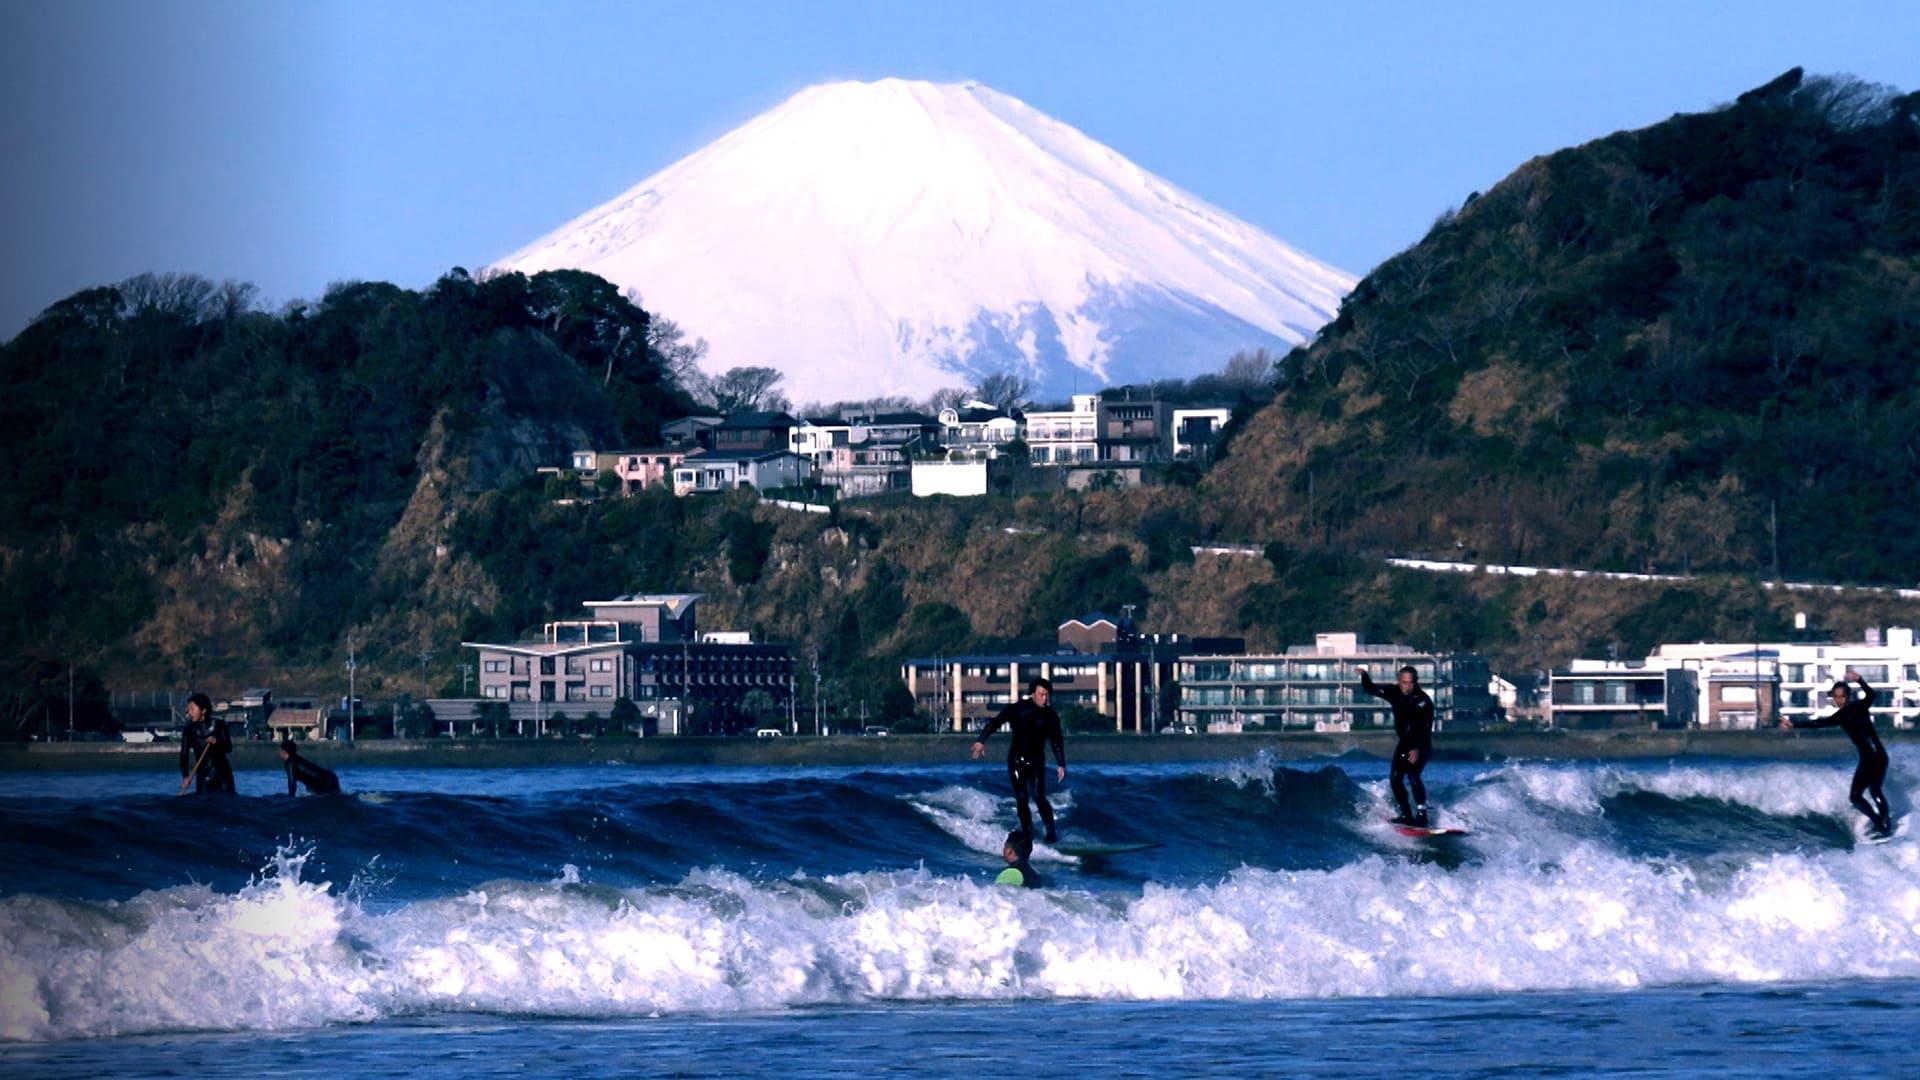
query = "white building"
{"x": 1889, "y": 661}
{"x": 712, "y": 471}
{"x": 963, "y": 478}
{"x": 1065, "y": 436}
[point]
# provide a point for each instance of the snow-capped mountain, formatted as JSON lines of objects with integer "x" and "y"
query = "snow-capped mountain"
{"x": 897, "y": 237}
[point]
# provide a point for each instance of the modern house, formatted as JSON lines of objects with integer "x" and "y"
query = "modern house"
{"x": 1316, "y": 687}
{"x": 643, "y": 648}
{"x": 712, "y": 471}
{"x": 1197, "y": 430}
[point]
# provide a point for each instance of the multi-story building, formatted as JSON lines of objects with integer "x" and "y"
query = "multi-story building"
{"x": 641, "y": 648}
{"x": 710, "y": 471}
{"x": 1066, "y": 436}
{"x": 1097, "y": 663}
{"x": 1316, "y": 687}
{"x": 1801, "y": 672}
{"x": 1135, "y": 430}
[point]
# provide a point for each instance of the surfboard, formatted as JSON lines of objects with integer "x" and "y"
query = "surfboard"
{"x": 1434, "y": 830}
{"x": 1070, "y": 847}
{"x": 1876, "y": 839}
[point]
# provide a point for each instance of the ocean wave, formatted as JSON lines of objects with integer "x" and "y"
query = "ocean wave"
{"x": 287, "y": 952}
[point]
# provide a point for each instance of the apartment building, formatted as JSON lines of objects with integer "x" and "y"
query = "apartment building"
{"x": 1317, "y": 688}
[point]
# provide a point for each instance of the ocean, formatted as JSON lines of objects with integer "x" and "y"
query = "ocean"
{"x": 1691, "y": 918}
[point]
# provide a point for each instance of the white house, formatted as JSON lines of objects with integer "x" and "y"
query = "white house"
{"x": 977, "y": 429}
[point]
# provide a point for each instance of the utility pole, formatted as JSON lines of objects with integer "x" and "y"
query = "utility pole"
{"x": 353, "y": 665}
{"x": 466, "y": 678}
{"x": 815, "y": 654}
{"x": 69, "y": 701}
{"x": 426, "y": 657}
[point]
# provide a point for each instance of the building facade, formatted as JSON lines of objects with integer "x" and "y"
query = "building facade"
{"x": 644, "y": 649}
{"x": 1066, "y": 436}
{"x": 1097, "y": 664}
{"x": 1317, "y": 688}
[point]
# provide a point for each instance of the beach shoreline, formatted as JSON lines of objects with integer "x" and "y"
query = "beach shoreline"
{"x": 906, "y": 750}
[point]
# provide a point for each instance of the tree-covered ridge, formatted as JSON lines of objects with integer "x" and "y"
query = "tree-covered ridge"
{"x": 1659, "y": 350}
{"x": 167, "y": 431}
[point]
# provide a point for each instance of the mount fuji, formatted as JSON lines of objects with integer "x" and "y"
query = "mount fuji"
{"x": 898, "y": 237}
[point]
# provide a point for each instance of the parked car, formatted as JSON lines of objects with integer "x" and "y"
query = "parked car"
{"x": 874, "y": 729}
{"x": 768, "y": 733}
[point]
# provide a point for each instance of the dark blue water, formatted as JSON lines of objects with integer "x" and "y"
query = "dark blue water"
{"x": 1651, "y": 918}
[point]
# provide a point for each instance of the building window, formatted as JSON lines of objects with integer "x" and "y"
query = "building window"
{"x": 546, "y": 666}
{"x": 1583, "y": 693}
{"x": 1873, "y": 673}
{"x": 602, "y": 664}
{"x": 602, "y": 691}
{"x": 576, "y": 692}
{"x": 494, "y": 667}
{"x": 495, "y": 691}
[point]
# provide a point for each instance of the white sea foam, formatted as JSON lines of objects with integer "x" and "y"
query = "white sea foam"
{"x": 287, "y": 953}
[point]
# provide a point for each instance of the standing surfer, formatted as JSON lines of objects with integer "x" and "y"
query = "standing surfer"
{"x": 1413, "y": 723}
{"x": 1033, "y": 725}
{"x": 1853, "y": 714}
{"x": 204, "y": 746}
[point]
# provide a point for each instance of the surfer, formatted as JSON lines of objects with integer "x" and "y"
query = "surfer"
{"x": 1016, "y": 851}
{"x": 319, "y": 781}
{"x": 204, "y": 746}
{"x": 1033, "y": 726}
{"x": 1413, "y": 723}
{"x": 1853, "y": 714}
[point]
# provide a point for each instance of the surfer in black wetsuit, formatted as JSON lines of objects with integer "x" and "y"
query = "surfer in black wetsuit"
{"x": 1853, "y": 714}
{"x": 204, "y": 746}
{"x": 1034, "y": 725}
{"x": 319, "y": 781}
{"x": 1015, "y": 853}
{"x": 1413, "y": 723}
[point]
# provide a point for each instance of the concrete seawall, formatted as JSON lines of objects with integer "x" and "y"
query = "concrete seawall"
{"x": 947, "y": 749}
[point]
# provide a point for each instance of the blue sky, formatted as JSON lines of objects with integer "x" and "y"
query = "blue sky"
{"x": 294, "y": 145}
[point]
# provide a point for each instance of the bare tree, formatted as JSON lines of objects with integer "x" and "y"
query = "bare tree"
{"x": 1004, "y": 389}
{"x": 746, "y": 389}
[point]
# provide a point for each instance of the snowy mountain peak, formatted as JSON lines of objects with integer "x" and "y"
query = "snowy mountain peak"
{"x": 895, "y": 237}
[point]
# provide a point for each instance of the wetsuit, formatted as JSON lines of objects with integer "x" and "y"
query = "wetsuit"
{"x": 1032, "y": 728}
{"x": 1856, "y": 719}
{"x": 1019, "y": 874}
{"x": 319, "y": 781}
{"x": 1413, "y": 723}
{"x": 216, "y": 772}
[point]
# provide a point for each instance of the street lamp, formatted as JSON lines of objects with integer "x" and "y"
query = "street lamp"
{"x": 352, "y": 666}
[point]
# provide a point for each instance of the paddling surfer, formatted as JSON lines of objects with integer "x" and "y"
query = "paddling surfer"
{"x": 1413, "y": 723}
{"x": 1033, "y": 726}
{"x": 1853, "y": 713}
{"x": 319, "y": 781}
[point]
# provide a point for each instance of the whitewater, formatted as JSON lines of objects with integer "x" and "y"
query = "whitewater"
{"x": 617, "y": 893}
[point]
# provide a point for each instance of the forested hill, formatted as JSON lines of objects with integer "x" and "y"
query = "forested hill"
{"x": 1641, "y": 353}
{"x": 193, "y": 483}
